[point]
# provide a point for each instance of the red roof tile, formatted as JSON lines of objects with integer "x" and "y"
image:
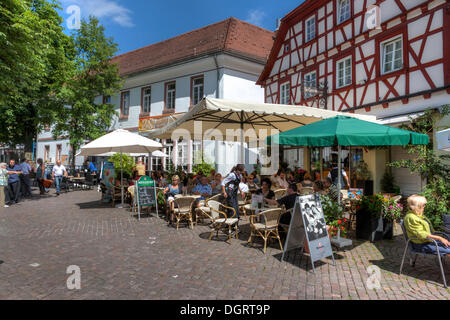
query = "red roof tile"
{"x": 231, "y": 35}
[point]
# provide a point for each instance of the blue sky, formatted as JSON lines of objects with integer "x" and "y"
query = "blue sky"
{"x": 138, "y": 23}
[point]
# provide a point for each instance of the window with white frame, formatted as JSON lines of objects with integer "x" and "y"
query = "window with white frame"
{"x": 343, "y": 10}
{"x": 197, "y": 90}
{"x": 170, "y": 96}
{"x": 310, "y": 28}
{"x": 182, "y": 155}
{"x": 285, "y": 96}
{"x": 125, "y": 107}
{"x": 309, "y": 85}
{"x": 392, "y": 55}
{"x": 146, "y": 99}
{"x": 344, "y": 72}
{"x": 196, "y": 152}
{"x": 168, "y": 150}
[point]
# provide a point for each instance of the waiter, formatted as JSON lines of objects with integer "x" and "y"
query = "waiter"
{"x": 230, "y": 187}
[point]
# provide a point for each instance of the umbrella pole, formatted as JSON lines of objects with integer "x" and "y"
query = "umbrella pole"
{"x": 339, "y": 186}
{"x": 121, "y": 176}
{"x": 242, "y": 139}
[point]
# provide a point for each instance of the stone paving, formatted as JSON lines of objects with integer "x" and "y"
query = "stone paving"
{"x": 123, "y": 258}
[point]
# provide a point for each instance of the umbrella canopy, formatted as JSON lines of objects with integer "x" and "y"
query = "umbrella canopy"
{"x": 443, "y": 140}
{"x": 348, "y": 131}
{"x": 120, "y": 141}
{"x": 156, "y": 154}
{"x": 223, "y": 115}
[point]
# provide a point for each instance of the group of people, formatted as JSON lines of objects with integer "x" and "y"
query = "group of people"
{"x": 15, "y": 182}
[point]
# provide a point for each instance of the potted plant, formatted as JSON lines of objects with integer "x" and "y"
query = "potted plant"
{"x": 368, "y": 211}
{"x": 391, "y": 211}
{"x": 364, "y": 177}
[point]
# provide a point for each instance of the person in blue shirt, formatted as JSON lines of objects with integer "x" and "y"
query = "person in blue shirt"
{"x": 92, "y": 167}
{"x": 25, "y": 179}
{"x": 203, "y": 189}
{"x": 13, "y": 181}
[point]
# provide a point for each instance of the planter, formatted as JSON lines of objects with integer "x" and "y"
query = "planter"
{"x": 367, "y": 185}
{"x": 388, "y": 230}
{"x": 367, "y": 226}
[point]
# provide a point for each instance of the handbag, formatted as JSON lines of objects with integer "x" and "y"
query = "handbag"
{"x": 47, "y": 183}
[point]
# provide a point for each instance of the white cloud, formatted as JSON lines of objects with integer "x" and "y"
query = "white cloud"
{"x": 103, "y": 9}
{"x": 256, "y": 17}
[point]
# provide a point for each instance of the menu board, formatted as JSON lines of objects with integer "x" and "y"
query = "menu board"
{"x": 146, "y": 194}
{"x": 308, "y": 222}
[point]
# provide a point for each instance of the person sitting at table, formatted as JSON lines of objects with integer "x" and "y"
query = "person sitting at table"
{"x": 279, "y": 180}
{"x": 307, "y": 181}
{"x": 331, "y": 189}
{"x": 256, "y": 177}
{"x": 288, "y": 202}
{"x": 216, "y": 185}
{"x": 170, "y": 192}
{"x": 203, "y": 189}
{"x": 418, "y": 226}
{"x": 140, "y": 169}
{"x": 265, "y": 190}
{"x": 212, "y": 175}
{"x": 252, "y": 186}
{"x": 318, "y": 187}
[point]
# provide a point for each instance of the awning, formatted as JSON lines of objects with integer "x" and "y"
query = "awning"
{"x": 225, "y": 117}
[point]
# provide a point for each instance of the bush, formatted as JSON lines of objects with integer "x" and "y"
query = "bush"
{"x": 127, "y": 164}
{"x": 387, "y": 182}
{"x": 438, "y": 201}
{"x": 205, "y": 167}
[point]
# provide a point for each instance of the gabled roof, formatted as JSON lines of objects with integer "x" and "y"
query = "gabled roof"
{"x": 290, "y": 19}
{"x": 230, "y": 36}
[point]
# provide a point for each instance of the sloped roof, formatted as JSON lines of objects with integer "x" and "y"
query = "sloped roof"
{"x": 231, "y": 35}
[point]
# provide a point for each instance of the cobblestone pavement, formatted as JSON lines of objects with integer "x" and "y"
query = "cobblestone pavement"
{"x": 122, "y": 258}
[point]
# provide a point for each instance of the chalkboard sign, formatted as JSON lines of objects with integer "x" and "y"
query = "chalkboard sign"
{"x": 308, "y": 222}
{"x": 146, "y": 194}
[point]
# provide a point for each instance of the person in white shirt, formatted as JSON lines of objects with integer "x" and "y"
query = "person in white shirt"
{"x": 57, "y": 174}
{"x": 230, "y": 187}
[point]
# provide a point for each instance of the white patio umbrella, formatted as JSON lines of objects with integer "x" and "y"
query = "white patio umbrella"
{"x": 120, "y": 141}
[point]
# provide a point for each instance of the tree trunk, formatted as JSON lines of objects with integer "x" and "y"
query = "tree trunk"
{"x": 74, "y": 150}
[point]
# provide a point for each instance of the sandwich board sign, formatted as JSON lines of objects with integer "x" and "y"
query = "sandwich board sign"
{"x": 145, "y": 189}
{"x": 308, "y": 222}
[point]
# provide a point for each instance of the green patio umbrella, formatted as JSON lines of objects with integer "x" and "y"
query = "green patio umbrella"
{"x": 347, "y": 131}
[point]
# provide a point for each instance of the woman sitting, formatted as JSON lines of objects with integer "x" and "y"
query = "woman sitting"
{"x": 318, "y": 188}
{"x": 170, "y": 192}
{"x": 216, "y": 185}
{"x": 419, "y": 227}
{"x": 266, "y": 184}
{"x": 307, "y": 181}
{"x": 252, "y": 186}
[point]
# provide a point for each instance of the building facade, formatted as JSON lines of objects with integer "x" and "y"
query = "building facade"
{"x": 389, "y": 58}
{"x": 166, "y": 79}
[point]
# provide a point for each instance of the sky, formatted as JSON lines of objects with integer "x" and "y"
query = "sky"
{"x": 137, "y": 23}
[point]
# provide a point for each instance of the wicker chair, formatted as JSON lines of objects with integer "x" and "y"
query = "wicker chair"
{"x": 183, "y": 210}
{"x": 268, "y": 229}
{"x": 280, "y": 193}
{"x": 306, "y": 191}
{"x": 220, "y": 220}
{"x": 133, "y": 205}
{"x": 204, "y": 212}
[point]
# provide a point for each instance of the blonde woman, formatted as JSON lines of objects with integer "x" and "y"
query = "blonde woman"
{"x": 419, "y": 227}
{"x": 170, "y": 191}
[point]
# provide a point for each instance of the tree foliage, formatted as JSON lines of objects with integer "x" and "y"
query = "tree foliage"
{"x": 83, "y": 119}
{"x": 34, "y": 63}
{"x": 429, "y": 166}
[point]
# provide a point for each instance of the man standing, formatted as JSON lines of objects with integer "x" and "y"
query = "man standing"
{"x": 25, "y": 179}
{"x": 334, "y": 173}
{"x": 13, "y": 181}
{"x": 4, "y": 196}
{"x": 57, "y": 174}
{"x": 230, "y": 187}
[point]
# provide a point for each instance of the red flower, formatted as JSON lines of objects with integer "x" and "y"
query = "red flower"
{"x": 345, "y": 220}
{"x": 342, "y": 228}
{"x": 339, "y": 222}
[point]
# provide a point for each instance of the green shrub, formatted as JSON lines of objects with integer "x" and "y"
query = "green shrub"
{"x": 127, "y": 165}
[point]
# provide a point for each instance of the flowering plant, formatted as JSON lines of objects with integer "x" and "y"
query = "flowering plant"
{"x": 331, "y": 209}
{"x": 338, "y": 225}
{"x": 391, "y": 209}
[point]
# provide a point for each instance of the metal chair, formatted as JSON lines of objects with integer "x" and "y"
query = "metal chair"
{"x": 268, "y": 229}
{"x": 409, "y": 248}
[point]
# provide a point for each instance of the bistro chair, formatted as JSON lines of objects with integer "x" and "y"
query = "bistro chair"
{"x": 306, "y": 191}
{"x": 133, "y": 205}
{"x": 280, "y": 193}
{"x": 204, "y": 212}
{"x": 183, "y": 209}
{"x": 220, "y": 220}
{"x": 242, "y": 202}
{"x": 413, "y": 253}
{"x": 267, "y": 230}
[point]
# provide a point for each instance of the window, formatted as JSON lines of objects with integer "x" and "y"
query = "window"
{"x": 46, "y": 152}
{"x": 344, "y": 10}
{"x": 170, "y": 96}
{"x": 310, "y": 29}
{"x": 146, "y": 99}
{"x": 344, "y": 72}
{"x": 58, "y": 151}
{"x": 168, "y": 151}
{"x": 197, "y": 90}
{"x": 287, "y": 48}
{"x": 285, "y": 97}
{"x": 392, "y": 55}
{"x": 310, "y": 84}
{"x": 106, "y": 99}
{"x": 196, "y": 152}
{"x": 182, "y": 155}
{"x": 125, "y": 105}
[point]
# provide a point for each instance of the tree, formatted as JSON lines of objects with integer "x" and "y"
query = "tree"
{"x": 83, "y": 119}
{"x": 429, "y": 166}
{"x": 34, "y": 63}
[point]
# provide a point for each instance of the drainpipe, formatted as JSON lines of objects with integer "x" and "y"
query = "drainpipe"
{"x": 216, "y": 147}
